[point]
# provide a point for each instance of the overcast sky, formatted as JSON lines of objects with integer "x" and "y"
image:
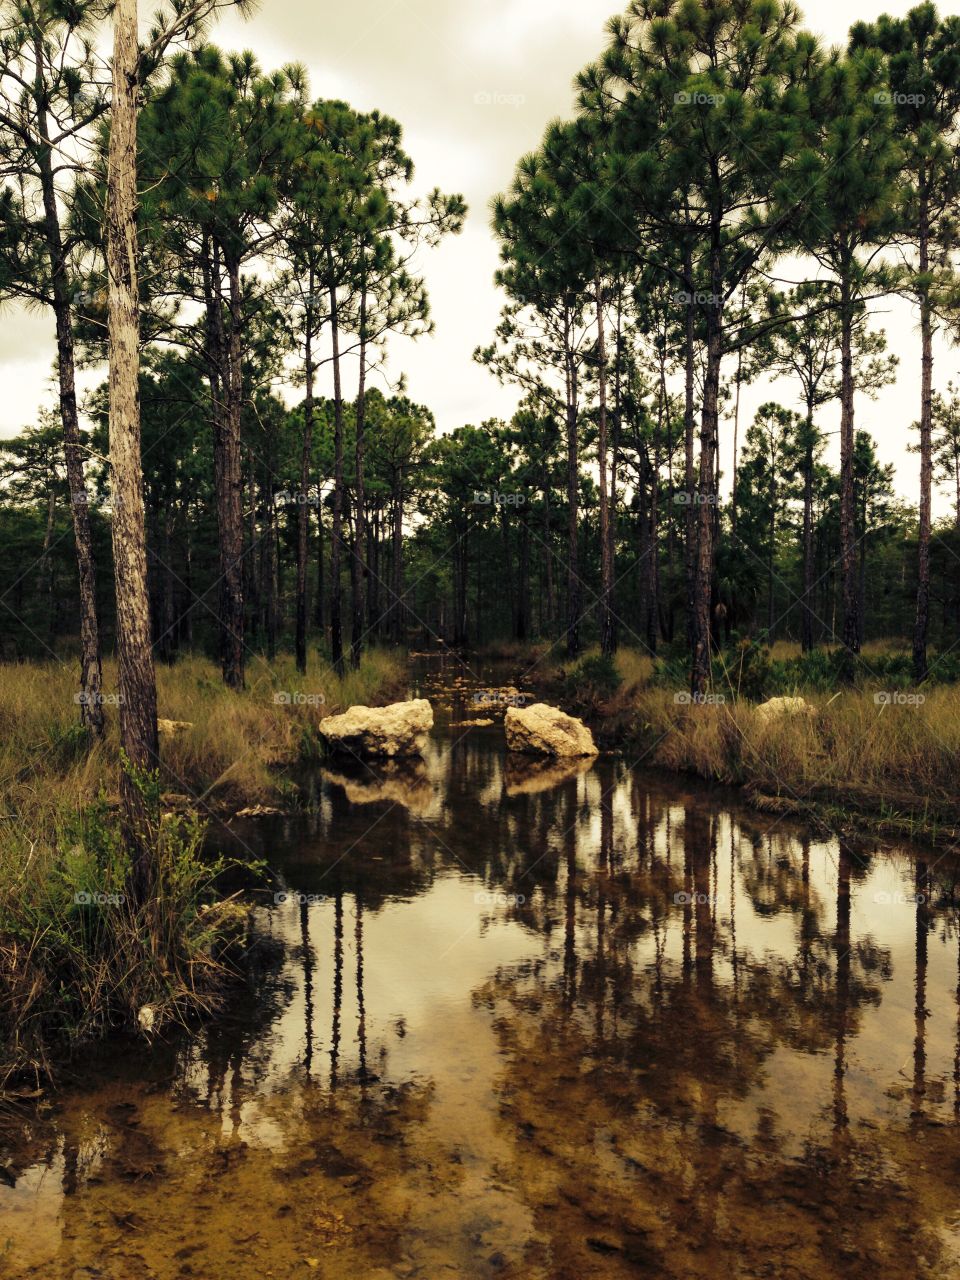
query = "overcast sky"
{"x": 473, "y": 84}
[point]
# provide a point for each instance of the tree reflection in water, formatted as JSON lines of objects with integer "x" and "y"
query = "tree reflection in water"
{"x": 540, "y": 1022}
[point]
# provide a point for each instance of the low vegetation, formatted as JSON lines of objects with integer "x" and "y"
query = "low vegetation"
{"x": 878, "y": 749}
{"x": 77, "y": 955}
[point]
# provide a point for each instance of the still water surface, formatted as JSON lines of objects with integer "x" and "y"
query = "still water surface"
{"x": 526, "y": 1021}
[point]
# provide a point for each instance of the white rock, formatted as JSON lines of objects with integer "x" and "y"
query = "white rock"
{"x": 398, "y": 730}
{"x": 547, "y": 731}
{"x": 777, "y": 708}
{"x": 172, "y": 728}
{"x": 146, "y": 1017}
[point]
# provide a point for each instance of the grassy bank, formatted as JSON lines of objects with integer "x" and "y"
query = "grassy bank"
{"x": 76, "y": 958}
{"x": 879, "y": 752}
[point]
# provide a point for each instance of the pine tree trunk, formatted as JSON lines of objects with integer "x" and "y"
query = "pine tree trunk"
{"x": 91, "y": 672}
{"x": 373, "y": 562}
{"x": 358, "y": 627}
{"x": 230, "y": 498}
{"x": 396, "y": 618}
{"x": 252, "y": 585}
{"x": 689, "y": 434}
{"x": 707, "y": 499}
{"x": 137, "y": 680}
{"x": 303, "y": 509}
{"x": 806, "y": 613}
{"x": 606, "y": 559}
{"x": 574, "y": 591}
{"x": 922, "y": 624}
{"x": 336, "y": 544}
{"x": 848, "y": 519}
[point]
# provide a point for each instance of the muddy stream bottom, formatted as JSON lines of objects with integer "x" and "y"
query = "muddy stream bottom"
{"x": 529, "y": 1021}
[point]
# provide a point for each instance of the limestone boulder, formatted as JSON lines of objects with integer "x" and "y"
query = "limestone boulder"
{"x": 398, "y": 730}
{"x": 778, "y": 708}
{"x": 173, "y": 728}
{"x": 547, "y": 731}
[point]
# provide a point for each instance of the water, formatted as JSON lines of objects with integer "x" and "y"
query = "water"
{"x": 526, "y": 1021}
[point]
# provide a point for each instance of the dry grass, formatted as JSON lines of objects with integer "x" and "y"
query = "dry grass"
{"x": 70, "y": 968}
{"x": 228, "y": 752}
{"x": 897, "y": 761}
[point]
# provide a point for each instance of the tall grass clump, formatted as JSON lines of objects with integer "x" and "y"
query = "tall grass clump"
{"x": 77, "y": 955}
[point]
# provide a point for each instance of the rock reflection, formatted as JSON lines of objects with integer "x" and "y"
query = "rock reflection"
{"x": 528, "y": 775}
{"x": 405, "y": 783}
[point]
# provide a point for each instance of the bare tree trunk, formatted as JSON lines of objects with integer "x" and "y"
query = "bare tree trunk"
{"x": 230, "y": 499}
{"x": 848, "y": 518}
{"x": 922, "y": 624}
{"x": 689, "y": 432}
{"x": 137, "y": 681}
{"x": 91, "y": 671}
{"x": 574, "y": 591}
{"x": 336, "y": 545}
{"x": 606, "y": 559}
{"x": 396, "y": 613}
{"x": 359, "y": 515}
{"x": 373, "y": 563}
{"x": 614, "y": 471}
{"x": 303, "y": 509}
{"x": 806, "y": 615}
{"x": 707, "y": 498}
{"x": 321, "y": 589}
{"x": 252, "y": 586}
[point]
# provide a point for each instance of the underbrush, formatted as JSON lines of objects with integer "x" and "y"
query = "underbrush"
{"x": 870, "y": 743}
{"x": 77, "y": 957}
{"x": 893, "y": 758}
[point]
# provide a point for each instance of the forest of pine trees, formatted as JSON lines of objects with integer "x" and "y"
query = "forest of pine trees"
{"x": 729, "y": 200}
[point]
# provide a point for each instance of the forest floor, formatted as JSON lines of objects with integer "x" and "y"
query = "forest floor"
{"x": 76, "y": 957}
{"x": 880, "y": 755}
